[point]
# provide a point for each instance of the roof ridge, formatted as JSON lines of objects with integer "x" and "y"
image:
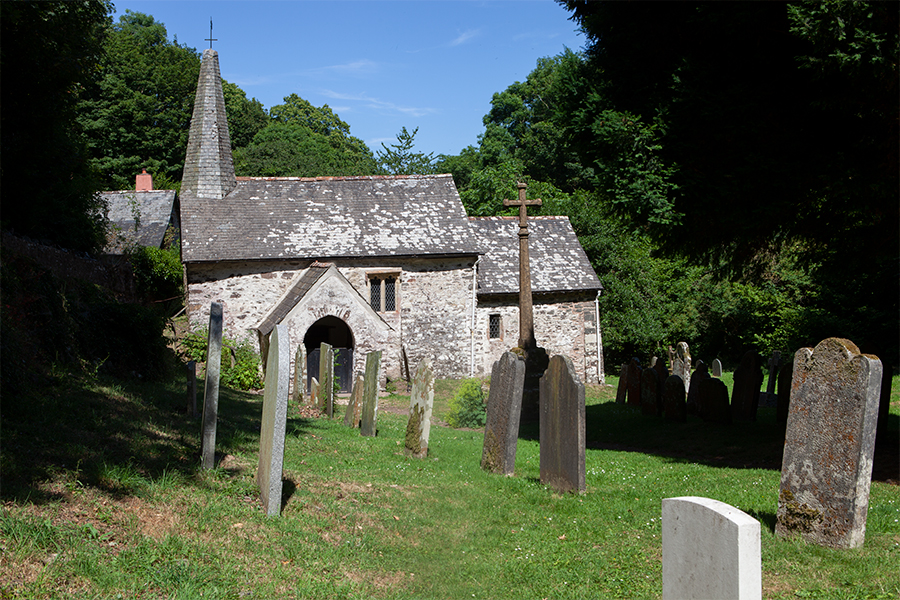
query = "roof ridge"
{"x": 346, "y": 177}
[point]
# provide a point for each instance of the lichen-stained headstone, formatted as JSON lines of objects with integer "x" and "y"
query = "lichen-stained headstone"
{"x": 700, "y": 373}
{"x": 748, "y": 378}
{"x": 314, "y": 392}
{"x": 562, "y": 423}
{"x": 299, "y": 385}
{"x": 211, "y": 391}
{"x": 716, "y": 370}
{"x": 369, "y": 417}
{"x": 682, "y": 364}
{"x": 673, "y": 399}
{"x": 650, "y": 392}
{"x": 501, "y": 429}
{"x": 354, "y": 406}
{"x": 622, "y": 388}
{"x": 634, "y": 383}
{"x": 829, "y": 444}
{"x": 421, "y": 402}
{"x": 326, "y": 379}
{"x": 274, "y": 421}
{"x": 785, "y": 378}
{"x": 712, "y": 401}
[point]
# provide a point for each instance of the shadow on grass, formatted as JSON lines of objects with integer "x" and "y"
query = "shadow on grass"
{"x": 116, "y": 436}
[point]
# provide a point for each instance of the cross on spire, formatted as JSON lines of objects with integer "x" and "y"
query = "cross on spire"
{"x": 526, "y": 317}
{"x": 210, "y": 39}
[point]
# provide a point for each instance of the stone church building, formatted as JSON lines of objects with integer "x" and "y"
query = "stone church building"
{"x": 372, "y": 263}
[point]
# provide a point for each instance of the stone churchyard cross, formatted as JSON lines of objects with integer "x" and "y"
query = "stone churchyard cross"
{"x": 526, "y": 317}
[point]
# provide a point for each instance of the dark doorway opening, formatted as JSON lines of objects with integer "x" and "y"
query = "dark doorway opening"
{"x": 334, "y": 331}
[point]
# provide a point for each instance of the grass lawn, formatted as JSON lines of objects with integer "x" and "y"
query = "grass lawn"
{"x": 102, "y": 498}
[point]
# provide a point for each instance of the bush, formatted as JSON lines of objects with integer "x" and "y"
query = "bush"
{"x": 157, "y": 272}
{"x": 244, "y": 375}
{"x": 468, "y": 407}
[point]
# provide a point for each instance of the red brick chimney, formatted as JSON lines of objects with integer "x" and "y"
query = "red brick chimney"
{"x": 144, "y": 182}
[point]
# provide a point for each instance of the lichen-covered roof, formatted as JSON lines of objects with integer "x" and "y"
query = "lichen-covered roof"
{"x": 558, "y": 262}
{"x": 327, "y": 217}
{"x": 154, "y": 208}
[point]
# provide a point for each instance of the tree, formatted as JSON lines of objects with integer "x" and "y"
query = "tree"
{"x": 246, "y": 117}
{"x": 399, "y": 159}
{"x": 139, "y": 112}
{"x": 50, "y": 51}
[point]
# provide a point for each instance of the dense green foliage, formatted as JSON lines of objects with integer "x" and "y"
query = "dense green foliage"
{"x": 158, "y": 273}
{"x": 468, "y": 406}
{"x": 399, "y": 159}
{"x": 240, "y": 366}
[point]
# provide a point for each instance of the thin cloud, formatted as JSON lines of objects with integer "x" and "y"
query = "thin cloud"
{"x": 377, "y": 104}
{"x": 465, "y": 37}
{"x": 358, "y": 67}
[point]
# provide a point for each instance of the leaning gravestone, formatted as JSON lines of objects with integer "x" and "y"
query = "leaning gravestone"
{"x": 710, "y": 550}
{"x": 682, "y": 364}
{"x": 634, "y": 383}
{"x": 785, "y": 378}
{"x": 354, "y": 406}
{"x": 829, "y": 444}
{"x": 712, "y": 401}
{"x": 716, "y": 370}
{"x": 748, "y": 378}
{"x": 673, "y": 399}
{"x": 622, "y": 389}
{"x": 421, "y": 402}
{"x": 367, "y": 426}
{"x": 211, "y": 392}
{"x": 651, "y": 388}
{"x": 326, "y": 379}
{"x": 274, "y": 420}
{"x": 700, "y": 374}
{"x": 300, "y": 375}
{"x": 562, "y": 437}
{"x": 501, "y": 429}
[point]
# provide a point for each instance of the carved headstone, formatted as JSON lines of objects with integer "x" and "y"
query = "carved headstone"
{"x": 299, "y": 395}
{"x": 748, "y": 378}
{"x": 421, "y": 402}
{"x": 712, "y": 401}
{"x": 622, "y": 388}
{"x": 501, "y": 430}
{"x": 634, "y": 383}
{"x": 274, "y": 420}
{"x": 673, "y": 399}
{"x": 700, "y": 374}
{"x": 682, "y": 364}
{"x": 651, "y": 388}
{"x": 716, "y": 370}
{"x": 369, "y": 417}
{"x": 326, "y": 379}
{"x": 829, "y": 444}
{"x": 562, "y": 436}
{"x": 211, "y": 391}
{"x": 785, "y": 378}
{"x": 354, "y": 406}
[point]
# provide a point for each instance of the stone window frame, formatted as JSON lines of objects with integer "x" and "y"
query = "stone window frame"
{"x": 495, "y": 325}
{"x": 376, "y": 280}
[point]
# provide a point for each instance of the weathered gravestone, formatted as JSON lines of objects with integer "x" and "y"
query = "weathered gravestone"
{"x": 562, "y": 437}
{"x": 748, "y": 378}
{"x": 354, "y": 406}
{"x": 785, "y": 378}
{"x": 673, "y": 399}
{"x": 634, "y": 383}
{"x": 716, "y": 369}
{"x": 700, "y": 374}
{"x": 299, "y": 395}
{"x": 884, "y": 405}
{"x": 421, "y": 402}
{"x": 211, "y": 391}
{"x": 829, "y": 443}
{"x": 682, "y": 364}
{"x": 326, "y": 379}
{"x": 622, "y": 389}
{"x": 314, "y": 392}
{"x": 774, "y": 364}
{"x": 662, "y": 373}
{"x": 712, "y": 401}
{"x": 274, "y": 420}
{"x": 369, "y": 417}
{"x": 710, "y": 550}
{"x": 501, "y": 429}
{"x": 651, "y": 389}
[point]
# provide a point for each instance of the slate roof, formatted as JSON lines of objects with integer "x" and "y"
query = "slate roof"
{"x": 293, "y": 295}
{"x": 327, "y": 217}
{"x": 558, "y": 262}
{"x": 155, "y": 210}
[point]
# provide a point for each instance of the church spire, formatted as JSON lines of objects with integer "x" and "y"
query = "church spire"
{"x": 208, "y": 166}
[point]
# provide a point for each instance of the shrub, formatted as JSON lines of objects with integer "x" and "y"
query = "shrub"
{"x": 157, "y": 272}
{"x": 468, "y": 407}
{"x": 243, "y": 375}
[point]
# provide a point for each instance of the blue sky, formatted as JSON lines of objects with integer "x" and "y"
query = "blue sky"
{"x": 380, "y": 65}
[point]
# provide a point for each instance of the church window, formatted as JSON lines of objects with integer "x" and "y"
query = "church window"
{"x": 383, "y": 291}
{"x": 494, "y": 327}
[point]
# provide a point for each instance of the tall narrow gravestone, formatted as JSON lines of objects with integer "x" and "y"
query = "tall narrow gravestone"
{"x": 651, "y": 388}
{"x": 682, "y": 364}
{"x": 634, "y": 383}
{"x": 829, "y": 444}
{"x": 274, "y": 421}
{"x": 673, "y": 399}
{"x": 314, "y": 392}
{"x": 709, "y": 550}
{"x": 622, "y": 388}
{"x": 354, "y": 406}
{"x": 211, "y": 392}
{"x": 562, "y": 424}
{"x": 421, "y": 402}
{"x": 299, "y": 394}
{"x": 716, "y": 370}
{"x": 700, "y": 374}
{"x": 501, "y": 429}
{"x": 748, "y": 378}
{"x": 367, "y": 425}
{"x": 326, "y": 379}
{"x": 712, "y": 401}
{"x": 785, "y": 379}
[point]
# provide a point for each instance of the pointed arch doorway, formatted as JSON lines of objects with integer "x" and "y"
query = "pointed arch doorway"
{"x": 333, "y": 331}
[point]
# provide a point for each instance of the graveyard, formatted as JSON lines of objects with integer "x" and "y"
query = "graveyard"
{"x": 361, "y": 517}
